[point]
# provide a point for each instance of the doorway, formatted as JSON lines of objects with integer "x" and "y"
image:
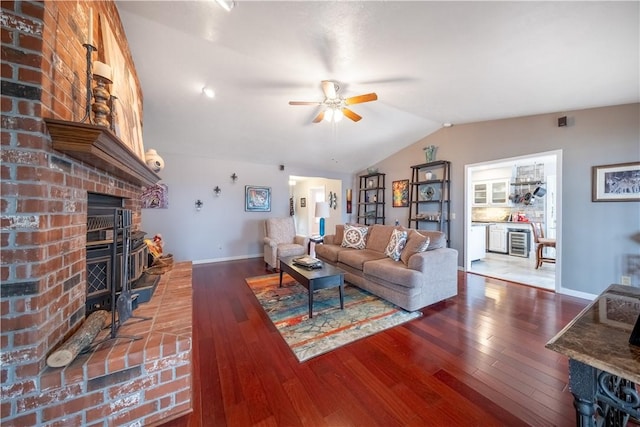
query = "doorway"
{"x": 494, "y": 220}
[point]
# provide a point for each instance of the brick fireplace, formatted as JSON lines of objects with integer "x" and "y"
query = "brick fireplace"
{"x": 45, "y": 186}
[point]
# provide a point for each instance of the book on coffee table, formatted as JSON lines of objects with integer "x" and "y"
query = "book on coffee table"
{"x": 307, "y": 262}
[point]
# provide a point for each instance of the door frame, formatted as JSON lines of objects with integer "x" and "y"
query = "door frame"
{"x": 468, "y": 202}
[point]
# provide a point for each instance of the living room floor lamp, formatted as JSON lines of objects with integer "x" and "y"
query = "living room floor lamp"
{"x": 322, "y": 212}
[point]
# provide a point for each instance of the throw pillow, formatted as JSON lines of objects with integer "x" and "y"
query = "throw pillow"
{"x": 354, "y": 237}
{"x": 396, "y": 244}
{"x": 416, "y": 243}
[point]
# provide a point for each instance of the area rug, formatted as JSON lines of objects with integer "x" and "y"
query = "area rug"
{"x": 330, "y": 327}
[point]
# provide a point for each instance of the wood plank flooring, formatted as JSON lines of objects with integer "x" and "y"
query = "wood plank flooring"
{"x": 477, "y": 359}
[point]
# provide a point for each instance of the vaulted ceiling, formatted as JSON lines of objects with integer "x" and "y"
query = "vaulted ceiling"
{"x": 428, "y": 62}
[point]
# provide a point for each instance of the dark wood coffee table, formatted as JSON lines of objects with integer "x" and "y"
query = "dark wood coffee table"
{"x": 322, "y": 278}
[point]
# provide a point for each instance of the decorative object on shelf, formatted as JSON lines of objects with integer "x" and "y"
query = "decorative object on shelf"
{"x": 199, "y": 204}
{"x": 217, "y": 190}
{"x": 430, "y": 153}
{"x": 257, "y": 199}
{"x": 322, "y": 212}
{"x": 370, "y": 183}
{"x": 348, "y": 198}
{"x": 400, "y": 190}
{"x": 234, "y": 177}
{"x": 372, "y": 170}
{"x": 428, "y": 175}
{"x": 155, "y": 197}
{"x": 427, "y": 193}
{"x": 303, "y": 202}
{"x": 103, "y": 76}
{"x": 616, "y": 183}
{"x": 153, "y": 160}
{"x": 112, "y": 114}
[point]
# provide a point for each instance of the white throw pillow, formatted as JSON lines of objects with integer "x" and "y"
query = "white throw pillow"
{"x": 396, "y": 244}
{"x": 354, "y": 237}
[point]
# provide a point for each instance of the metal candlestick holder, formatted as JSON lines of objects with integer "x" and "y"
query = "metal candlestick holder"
{"x": 89, "y": 77}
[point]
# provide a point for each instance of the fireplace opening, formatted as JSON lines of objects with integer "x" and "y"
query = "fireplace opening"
{"x": 100, "y": 260}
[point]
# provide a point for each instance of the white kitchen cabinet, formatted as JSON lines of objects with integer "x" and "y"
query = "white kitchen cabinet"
{"x": 477, "y": 248}
{"x": 491, "y": 193}
{"x": 498, "y": 238}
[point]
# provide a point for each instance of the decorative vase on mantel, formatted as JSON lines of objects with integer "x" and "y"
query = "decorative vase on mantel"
{"x": 430, "y": 153}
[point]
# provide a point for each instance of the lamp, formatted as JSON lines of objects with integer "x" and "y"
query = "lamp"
{"x": 199, "y": 204}
{"x": 217, "y": 190}
{"x": 322, "y": 212}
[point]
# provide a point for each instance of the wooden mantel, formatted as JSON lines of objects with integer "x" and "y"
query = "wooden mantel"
{"x": 99, "y": 147}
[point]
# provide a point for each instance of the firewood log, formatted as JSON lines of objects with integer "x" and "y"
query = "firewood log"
{"x": 79, "y": 340}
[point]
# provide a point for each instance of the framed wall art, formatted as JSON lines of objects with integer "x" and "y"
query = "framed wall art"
{"x": 400, "y": 191}
{"x": 155, "y": 197}
{"x": 303, "y": 202}
{"x": 616, "y": 183}
{"x": 257, "y": 199}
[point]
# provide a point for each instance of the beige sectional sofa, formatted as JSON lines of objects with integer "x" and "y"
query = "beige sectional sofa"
{"x": 415, "y": 281}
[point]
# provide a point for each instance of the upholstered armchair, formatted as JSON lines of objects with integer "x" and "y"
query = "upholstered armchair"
{"x": 281, "y": 241}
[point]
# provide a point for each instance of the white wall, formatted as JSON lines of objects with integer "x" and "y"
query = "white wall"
{"x": 221, "y": 230}
{"x": 597, "y": 237}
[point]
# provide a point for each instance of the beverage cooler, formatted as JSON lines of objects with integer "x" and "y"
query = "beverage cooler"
{"x": 519, "y": 242}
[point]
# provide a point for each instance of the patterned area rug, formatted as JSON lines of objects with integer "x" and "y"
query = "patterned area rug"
{"x": 364, "y": 314}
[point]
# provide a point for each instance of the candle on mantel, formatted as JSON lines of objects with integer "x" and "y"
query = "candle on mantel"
{"x": 103, "y": 70}
{"x": 90, "y": 35}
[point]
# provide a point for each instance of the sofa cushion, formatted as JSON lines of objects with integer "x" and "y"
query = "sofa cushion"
{"x": 329, "y": 252}
{"x": 437, "y": 239}
{"x": 379, "y": 236}
{"x": 337, "y": 239}
{"x": 396, "y": 244}
{"x": 355, "y": 237}
{"x": 357, "y": 258}
{"x": 416, "y": 242}
{"x": 393, "y": 272}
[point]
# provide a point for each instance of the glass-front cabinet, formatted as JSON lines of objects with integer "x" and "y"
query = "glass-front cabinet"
{"x": 491, "y": 193}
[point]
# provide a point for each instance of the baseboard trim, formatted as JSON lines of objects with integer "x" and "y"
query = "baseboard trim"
{"x": 232, "y": 258}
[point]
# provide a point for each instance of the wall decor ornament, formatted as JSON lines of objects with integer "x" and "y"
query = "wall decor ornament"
{"x": 155, "y": 197}
{"x": 616, "y": 183}
{"x": 303, "y": 202}
{"x": 348, "y": 197}
{"x": 257, "y": 199}
{"x": 330, "y": 199}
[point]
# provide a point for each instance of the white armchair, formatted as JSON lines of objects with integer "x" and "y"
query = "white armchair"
{"x": 281, "y": 241}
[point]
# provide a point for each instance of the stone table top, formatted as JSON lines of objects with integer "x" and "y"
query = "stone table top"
{"x": 599, "y": 335}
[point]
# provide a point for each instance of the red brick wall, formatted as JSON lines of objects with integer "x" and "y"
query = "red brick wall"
{"x": 44, "y": 192}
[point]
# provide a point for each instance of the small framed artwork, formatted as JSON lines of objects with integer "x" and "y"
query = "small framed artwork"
{"x": 303, "y": 202}
{"x": 257, "y": 199}
{"x": 400, "y": 191}
{"x": 616, "y": 183}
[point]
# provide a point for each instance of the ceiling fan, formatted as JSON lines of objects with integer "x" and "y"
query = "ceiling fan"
{"x": 335, "y": 106}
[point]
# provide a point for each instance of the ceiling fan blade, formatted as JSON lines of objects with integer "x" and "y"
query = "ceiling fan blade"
{"x": 319, "y": 117}
{"x": 361, "y": 98}
{"x": 304, "y": 103}
{"x": 329, "y": 89}
{"x": 353, "y": 116}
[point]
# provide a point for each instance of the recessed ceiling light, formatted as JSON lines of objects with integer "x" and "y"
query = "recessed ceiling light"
{"x": 208, "y": 91}
{"x": 226, "y": 4}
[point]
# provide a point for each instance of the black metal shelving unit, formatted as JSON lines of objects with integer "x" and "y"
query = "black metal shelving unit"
{"x": 371, "y": 202}
{"x": 429, "y": 197}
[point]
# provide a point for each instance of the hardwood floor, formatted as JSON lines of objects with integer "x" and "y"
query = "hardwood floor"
{"x": 477, "y": 359}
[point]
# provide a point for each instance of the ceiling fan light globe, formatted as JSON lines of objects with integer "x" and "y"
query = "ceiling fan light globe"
{"x": 337, "y": 115}
{"x": 328, "y": 115}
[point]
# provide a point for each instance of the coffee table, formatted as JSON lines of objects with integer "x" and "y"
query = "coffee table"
{"x": 322, "y": 278}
